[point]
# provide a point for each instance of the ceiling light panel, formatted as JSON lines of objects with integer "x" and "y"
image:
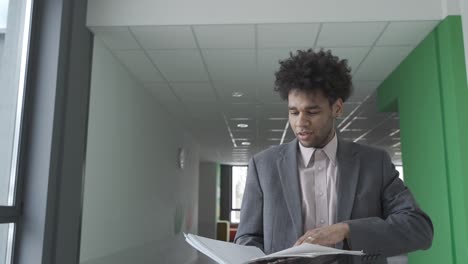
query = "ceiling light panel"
{"x": 225, "y": 36}
{"x": 287, "y": 35}
{"x": 409, "y": 33}
{"x": 373, "y": 67}
{"x": 139, "y": 65}
{"x": 231, "y": 64}
{"x": 350, "y": 34}
{"x": 350, "y": 134}
{"x": 251, "y": 125}
{"x": 180, "y": 65}
{"x": 194, "y": 91}
{"x": 164, "y": 37}
{"x": 225, "y": 90}
{"x": 116, "y": 38}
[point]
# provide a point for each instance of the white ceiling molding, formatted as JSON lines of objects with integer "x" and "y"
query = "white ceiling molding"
{"x": 208, "y": 12}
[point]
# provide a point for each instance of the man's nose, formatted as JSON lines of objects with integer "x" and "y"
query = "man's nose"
{"x": 302, "y": 120}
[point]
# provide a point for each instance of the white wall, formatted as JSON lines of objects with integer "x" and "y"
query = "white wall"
{"x": 2, "y": 41}
{"x": 207, "y": 199}
{"x": 135, "y": 196}
{"x": 189, "y": 12}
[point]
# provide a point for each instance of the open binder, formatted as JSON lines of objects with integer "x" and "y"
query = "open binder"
{"x": 229, "y": 253}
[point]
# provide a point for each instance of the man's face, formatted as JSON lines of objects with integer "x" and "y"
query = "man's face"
{"x": 312, "y": 118}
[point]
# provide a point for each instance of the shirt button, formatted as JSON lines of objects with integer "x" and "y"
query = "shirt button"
{"x": 320, "y": 193}
{"x": 320, "y": 168}
{"x": 322, "y": 221}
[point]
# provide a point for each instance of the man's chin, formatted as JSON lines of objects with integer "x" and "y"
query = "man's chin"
{"x": 307, "y": 144}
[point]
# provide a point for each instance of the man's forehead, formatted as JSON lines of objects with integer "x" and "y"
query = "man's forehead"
{"x": 314, "y": 97}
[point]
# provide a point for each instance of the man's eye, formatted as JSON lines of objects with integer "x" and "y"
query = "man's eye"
{"x": 293, "y": 113}
{"x": 313, "y": 113}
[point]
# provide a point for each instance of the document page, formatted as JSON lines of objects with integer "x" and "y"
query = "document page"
{"x": 223, "y": 252}
{"x": 230, "y": 253}
{"x": 307, "y": 250}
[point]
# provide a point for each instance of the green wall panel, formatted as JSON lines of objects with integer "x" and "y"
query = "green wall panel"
{"x": 429, "y": 91}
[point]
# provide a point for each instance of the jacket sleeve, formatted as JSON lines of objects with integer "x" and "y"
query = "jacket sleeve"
{"x": 404, "y": 227}
{"x": 250, "y": 229}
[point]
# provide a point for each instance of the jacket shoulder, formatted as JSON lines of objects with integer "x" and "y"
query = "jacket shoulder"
{"x": 366, "y": 150}
{"x": 269, "y": 153}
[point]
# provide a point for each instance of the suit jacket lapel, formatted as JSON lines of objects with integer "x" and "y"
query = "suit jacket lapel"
{"x": 288, "y": 172}
{"x": 348, "y": 176}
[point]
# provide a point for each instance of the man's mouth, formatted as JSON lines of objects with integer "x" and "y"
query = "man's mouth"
{"x": 304, "y": 133}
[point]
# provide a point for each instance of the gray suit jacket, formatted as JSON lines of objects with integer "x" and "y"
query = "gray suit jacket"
{"x": 383, "y": 217}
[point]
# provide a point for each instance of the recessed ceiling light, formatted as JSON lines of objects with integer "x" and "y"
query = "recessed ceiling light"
{"x": 237, "y": 94}
{"x": 245, "y": 143}
{"x": 242, "y": 125}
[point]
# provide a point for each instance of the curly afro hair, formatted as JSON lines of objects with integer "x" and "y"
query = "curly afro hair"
{"x": 311, "y": 71}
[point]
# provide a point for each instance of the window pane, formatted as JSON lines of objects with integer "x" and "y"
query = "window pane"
{"x": 235, "y": 217}
{"x": 6, "y": 242}
{"x": 239, "y": 176}
{"x": 14, "y": 38}
{"x": 400, "y": 170}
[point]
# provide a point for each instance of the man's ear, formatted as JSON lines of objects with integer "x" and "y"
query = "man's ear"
{"x": 337, "y": 108}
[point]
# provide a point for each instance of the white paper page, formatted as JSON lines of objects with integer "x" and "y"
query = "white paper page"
{"x": 310, "y": 250}
{"x": 202, "y": 248}
{"x": 224, "y": 252}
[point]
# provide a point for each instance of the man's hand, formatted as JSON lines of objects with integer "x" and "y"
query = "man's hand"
{"x": 325, "y": 236}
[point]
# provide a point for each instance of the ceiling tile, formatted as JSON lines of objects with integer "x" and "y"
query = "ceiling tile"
{"x": 231, "y": 64}
{"x": 362, "y": 89}
{"x": 194, "y": 91}
{"x": 207, "y": 112}
{"x": 348, "y": 108}
{"x": 406, "y": 33}
{"x": 116, "y": 38}
{"x": 269, "y": 97}
{"x": 381, "y": 62}
{"x": 162, "y": 92}
{"x": 174, "y": 109}
{"x": 239, "y": 110}
{"x": 349, "y": 34}
{"x": 139, "y": 65}
{"x": 164, "y": 37}
{"x": 354, "y": 55}
{"x": 266, "y": 93}
{"x": 268, "y": 61}
{"x": 279, "y": 110}
{"x": 265, "y": 124}
{"x": 241, "y": 135}
{"x": 226, "y": 36}
{"x": 180, "y": 65}
{"x": 287, "y": 35}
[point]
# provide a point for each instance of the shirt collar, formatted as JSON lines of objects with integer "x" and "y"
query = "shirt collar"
{"x": 330, "y": 150}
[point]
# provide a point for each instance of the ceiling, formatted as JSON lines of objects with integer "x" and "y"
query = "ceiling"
{"x": 194, "y": 70}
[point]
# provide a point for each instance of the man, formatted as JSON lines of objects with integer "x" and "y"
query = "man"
{"x": 323, "y": 190}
